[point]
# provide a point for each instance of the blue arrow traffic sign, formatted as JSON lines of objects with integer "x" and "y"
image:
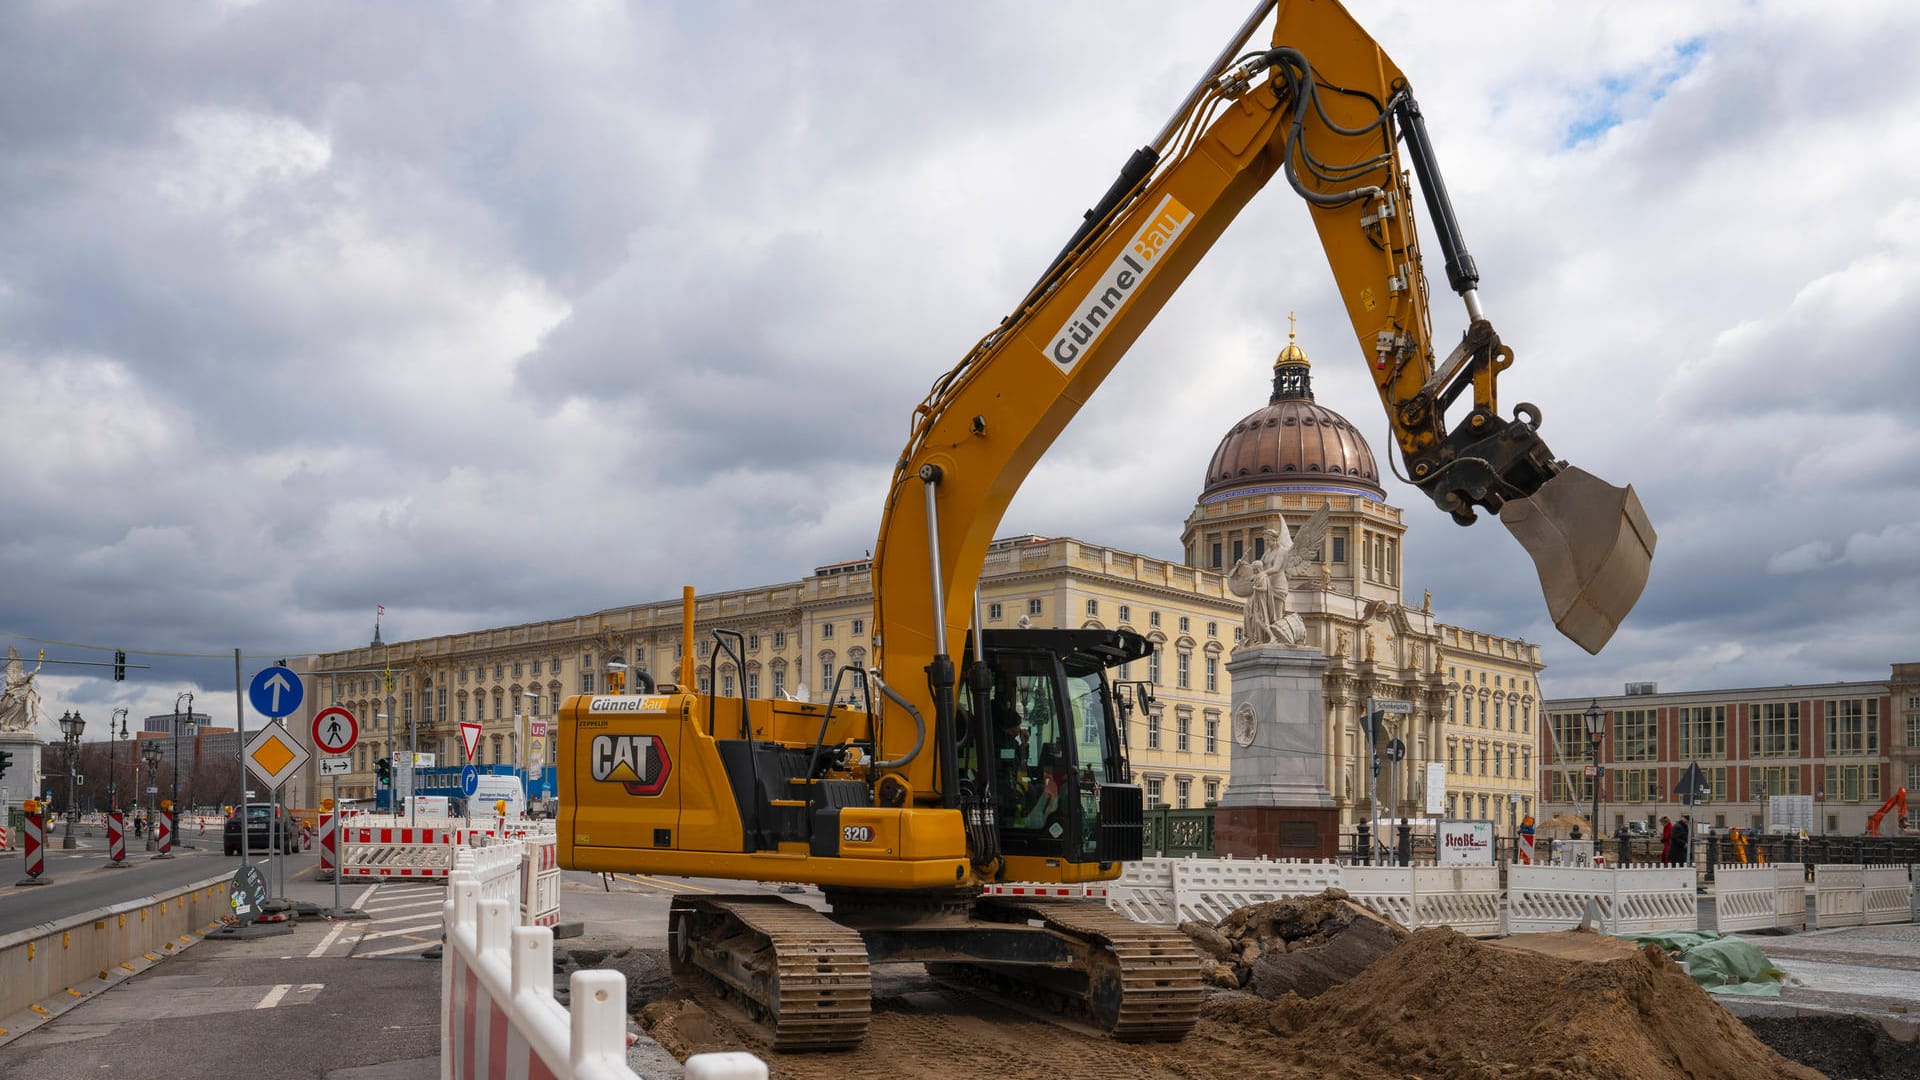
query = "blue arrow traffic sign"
{"x": 469, "y": 781}
{"x": 276, "y": 692}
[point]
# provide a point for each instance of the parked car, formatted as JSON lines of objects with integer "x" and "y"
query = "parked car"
{"x": 266, "y": 828}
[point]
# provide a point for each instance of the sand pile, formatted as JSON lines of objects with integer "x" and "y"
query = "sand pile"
{"x": 1301, "y": 945}
{"x": 1442, "y": 1004}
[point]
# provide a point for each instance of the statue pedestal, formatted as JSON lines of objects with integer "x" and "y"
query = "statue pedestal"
{"x": 22, "y": 781}
{"x": 1277, "y": 803}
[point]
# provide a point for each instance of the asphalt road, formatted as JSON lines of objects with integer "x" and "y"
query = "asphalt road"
{"x": 81, "y": 880}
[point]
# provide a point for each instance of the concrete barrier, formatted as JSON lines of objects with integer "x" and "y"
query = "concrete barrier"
{"x": 70, "y": 958}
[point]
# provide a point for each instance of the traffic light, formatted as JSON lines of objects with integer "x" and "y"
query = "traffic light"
{"x": 119, "y": 665}
{"x": 383, "y": 768}
{"x": 6, "y": 761}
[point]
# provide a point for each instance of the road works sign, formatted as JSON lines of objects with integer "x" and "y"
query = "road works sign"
{"x": 273, "y": 755}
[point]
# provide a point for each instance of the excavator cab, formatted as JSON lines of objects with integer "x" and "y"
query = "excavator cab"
{"x": 1042, "y": 759}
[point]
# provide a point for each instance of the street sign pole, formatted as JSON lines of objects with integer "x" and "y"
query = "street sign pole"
{"x": 1373, "y": 781}
{"x": 240, "y": 711}
{"x": 337, "y": 845}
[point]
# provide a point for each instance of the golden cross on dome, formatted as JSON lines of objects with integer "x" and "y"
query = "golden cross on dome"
{"x": 1289, "y": 326}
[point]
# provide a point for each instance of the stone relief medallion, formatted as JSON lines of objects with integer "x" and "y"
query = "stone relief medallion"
{"x": 1245, "y": 724}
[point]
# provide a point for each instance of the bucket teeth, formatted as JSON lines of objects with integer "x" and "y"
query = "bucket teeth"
{"x": 1592, "y": 545}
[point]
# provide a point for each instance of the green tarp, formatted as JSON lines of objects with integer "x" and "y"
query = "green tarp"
{"x": 1721, "y": 964}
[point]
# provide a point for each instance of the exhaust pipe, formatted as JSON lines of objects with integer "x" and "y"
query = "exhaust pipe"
{"x": 1592, "y": 545}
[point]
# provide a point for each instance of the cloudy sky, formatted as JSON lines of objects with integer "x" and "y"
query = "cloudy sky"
{"x": 501, "y": 312}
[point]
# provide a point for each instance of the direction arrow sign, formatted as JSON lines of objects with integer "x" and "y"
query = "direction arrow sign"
{"x": 469, "y": 780}
{"x": 273, "y": 755}
{"x": 335, "y": 730}
{"x": 336, "y": 766}
{"x": 470, "y": 738}
{"x": 276, "y": 692}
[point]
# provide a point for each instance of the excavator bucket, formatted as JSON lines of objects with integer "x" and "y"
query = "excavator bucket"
{"x": 1592, "y": 544}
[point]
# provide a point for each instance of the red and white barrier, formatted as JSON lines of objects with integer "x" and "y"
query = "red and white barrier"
{"x": 540, "y": 881}
{"x": 117, "y": 837}
{"x": 6, "y": 841}
{"x": 165, "y": 834}
{"x": 327, "y": 830}
{"x": 36, "y": 844}
{"x": 1089, "y": 892}
{"x": 498, "y": 1016}
{"x": 417, "y": 852}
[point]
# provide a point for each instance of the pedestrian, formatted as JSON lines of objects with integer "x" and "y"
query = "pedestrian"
{"x": 1666, "y": 840}
{"x": 1680, "y": 852}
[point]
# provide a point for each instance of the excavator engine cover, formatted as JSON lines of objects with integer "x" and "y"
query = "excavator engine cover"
{"x": 1592, "y": 545}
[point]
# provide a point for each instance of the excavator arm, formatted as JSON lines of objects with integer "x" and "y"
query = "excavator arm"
{"x": 1896, "y": 804}
{"x": 1325, "y": 107}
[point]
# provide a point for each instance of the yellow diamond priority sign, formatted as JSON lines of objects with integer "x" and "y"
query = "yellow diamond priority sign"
{"x": 274, "y": 755}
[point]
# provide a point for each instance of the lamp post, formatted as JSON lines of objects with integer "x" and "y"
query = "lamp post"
{"x": 1596, "y": 728}
{"x": 113, "y": 783}
{"x": 173, "y": 793}
{"x": 71, "y": 725}
{"x": 152, "y": 756}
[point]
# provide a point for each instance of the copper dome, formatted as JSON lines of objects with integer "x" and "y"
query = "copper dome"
{"x": 1292, "y": 440}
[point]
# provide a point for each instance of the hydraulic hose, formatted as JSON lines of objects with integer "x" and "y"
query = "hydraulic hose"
{"x": 919, "y": 723}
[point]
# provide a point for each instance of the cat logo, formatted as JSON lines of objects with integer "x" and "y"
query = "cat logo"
{"x": 638, "y": 763}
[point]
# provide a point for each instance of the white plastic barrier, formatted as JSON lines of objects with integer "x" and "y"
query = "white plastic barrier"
{"x": 1629, "y": 900}
{"x": 540, "y": 880}
{"x": 1839, "y": 894}
{"x": 1744, "y": 898}
{"x": 1170, "y": 891}
{"x": 1790, "y": 896}
{"x": 1466, "y": 898}
{"x": 496, "y": 868}
{"x": 1887, "y": 895}
{"x": 498, "y": 1016}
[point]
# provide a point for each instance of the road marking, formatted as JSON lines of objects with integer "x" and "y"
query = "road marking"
{"x": 404, "y": 907}
{"x": 419, "y": 943}
{"x": 274, "y": 995}
{"x": 401, "y": 932}
{"x": 664, "y": 886}
{"x": 326, "y": 943}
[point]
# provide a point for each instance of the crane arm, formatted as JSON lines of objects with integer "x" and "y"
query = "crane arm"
{"x": 1327, "y": 108}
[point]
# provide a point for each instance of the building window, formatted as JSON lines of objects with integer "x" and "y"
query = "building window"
{"x": 1913, "y": 776}
{"x": 1213, "y": 791}
{"x": 1526, "y": 763}
{"x": 498, "y": 743}
{"x": 1765, "y": 780}
{"x": 1184, "y": 668}
{"x": 1126, "y": 614}
{"x": 826, "y": 633}
{"x": 1213, "y": 629}
{"x": 1153, "y": 790}
{"x": 1153, "y": 618}
{"x": 1496, "y": 761}
{"x": 1185, "y": 624}
{"x": 1453, "y": 754}
{"x": 1213, "y": 733}
{"x": 1216, "y": 556}
{"x": 586, "y": 663}
{"x": 779, "y": 639}
{"x": 1468, "y": 751}
{"x": 1773, "y": 730}
{"x": 1153, "y": 667}
{"x": 586, "y": 682}
{"x": 706, "y": 683}
{"x": 1485, "y": 753}
{"x": 463, "y": 709}
{"x": 1093, "y": 608}
{"x": 1239, "y": 550}
{"x": 1183, "y": 732}
{"x": 1153, "y": 731}
{"x": 1913, "y": 731}
{"x": 753, "y": 685}
{"x": 1848, "y": 783}
{"x": 726, "y": 683}
{"x": 1635, "y": 735}
{"x": 993, "y": 612}
{"x": 753, "y": 642}
{"x": 1213, "y": 674}
{"x": 533, "y": 705}
{"x": 779, "y": 682}
{"x": 1853, "y": 726}
{"x": 859, "y": 627}
{"x": 1033, "y": 607}
{"x": 1483, "y": 712}
{"x": 1184, "y": 789}
{"x": 499, "y": 705}
{"x": 1703, "y": 732}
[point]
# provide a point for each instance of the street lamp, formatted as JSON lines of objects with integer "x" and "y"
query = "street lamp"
{"x": 1596, "y": 728}
{"x": 152, "y": 756}
{"x": 113, "y": 737}
{"x": 71, "y": 725}
{"x": 174, "y": 792}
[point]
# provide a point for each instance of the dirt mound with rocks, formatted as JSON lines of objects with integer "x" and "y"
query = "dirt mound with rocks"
{"x": 1301, "y": 945}
{"x": 1442, "y": 1004}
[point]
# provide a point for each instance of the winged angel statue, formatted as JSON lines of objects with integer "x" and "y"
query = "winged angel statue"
{"x": 1263, "y": 582}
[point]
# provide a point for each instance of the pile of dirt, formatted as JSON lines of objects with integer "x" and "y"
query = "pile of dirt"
{"x": 1442, "y": 1004}
{"x": 648, "y": 976}
{"x": 1301, "y": 945}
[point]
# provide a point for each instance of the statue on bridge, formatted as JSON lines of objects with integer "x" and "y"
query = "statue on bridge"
{"x": 20, "y": 704}
{"x": 1263, "y": 582}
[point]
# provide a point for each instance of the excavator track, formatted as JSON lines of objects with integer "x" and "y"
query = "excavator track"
{"x": 805, "y": 975}
{"x": 1144, "y": 982}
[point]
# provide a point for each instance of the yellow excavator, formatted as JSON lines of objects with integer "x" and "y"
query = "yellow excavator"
{"x": 979, "y": 756}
